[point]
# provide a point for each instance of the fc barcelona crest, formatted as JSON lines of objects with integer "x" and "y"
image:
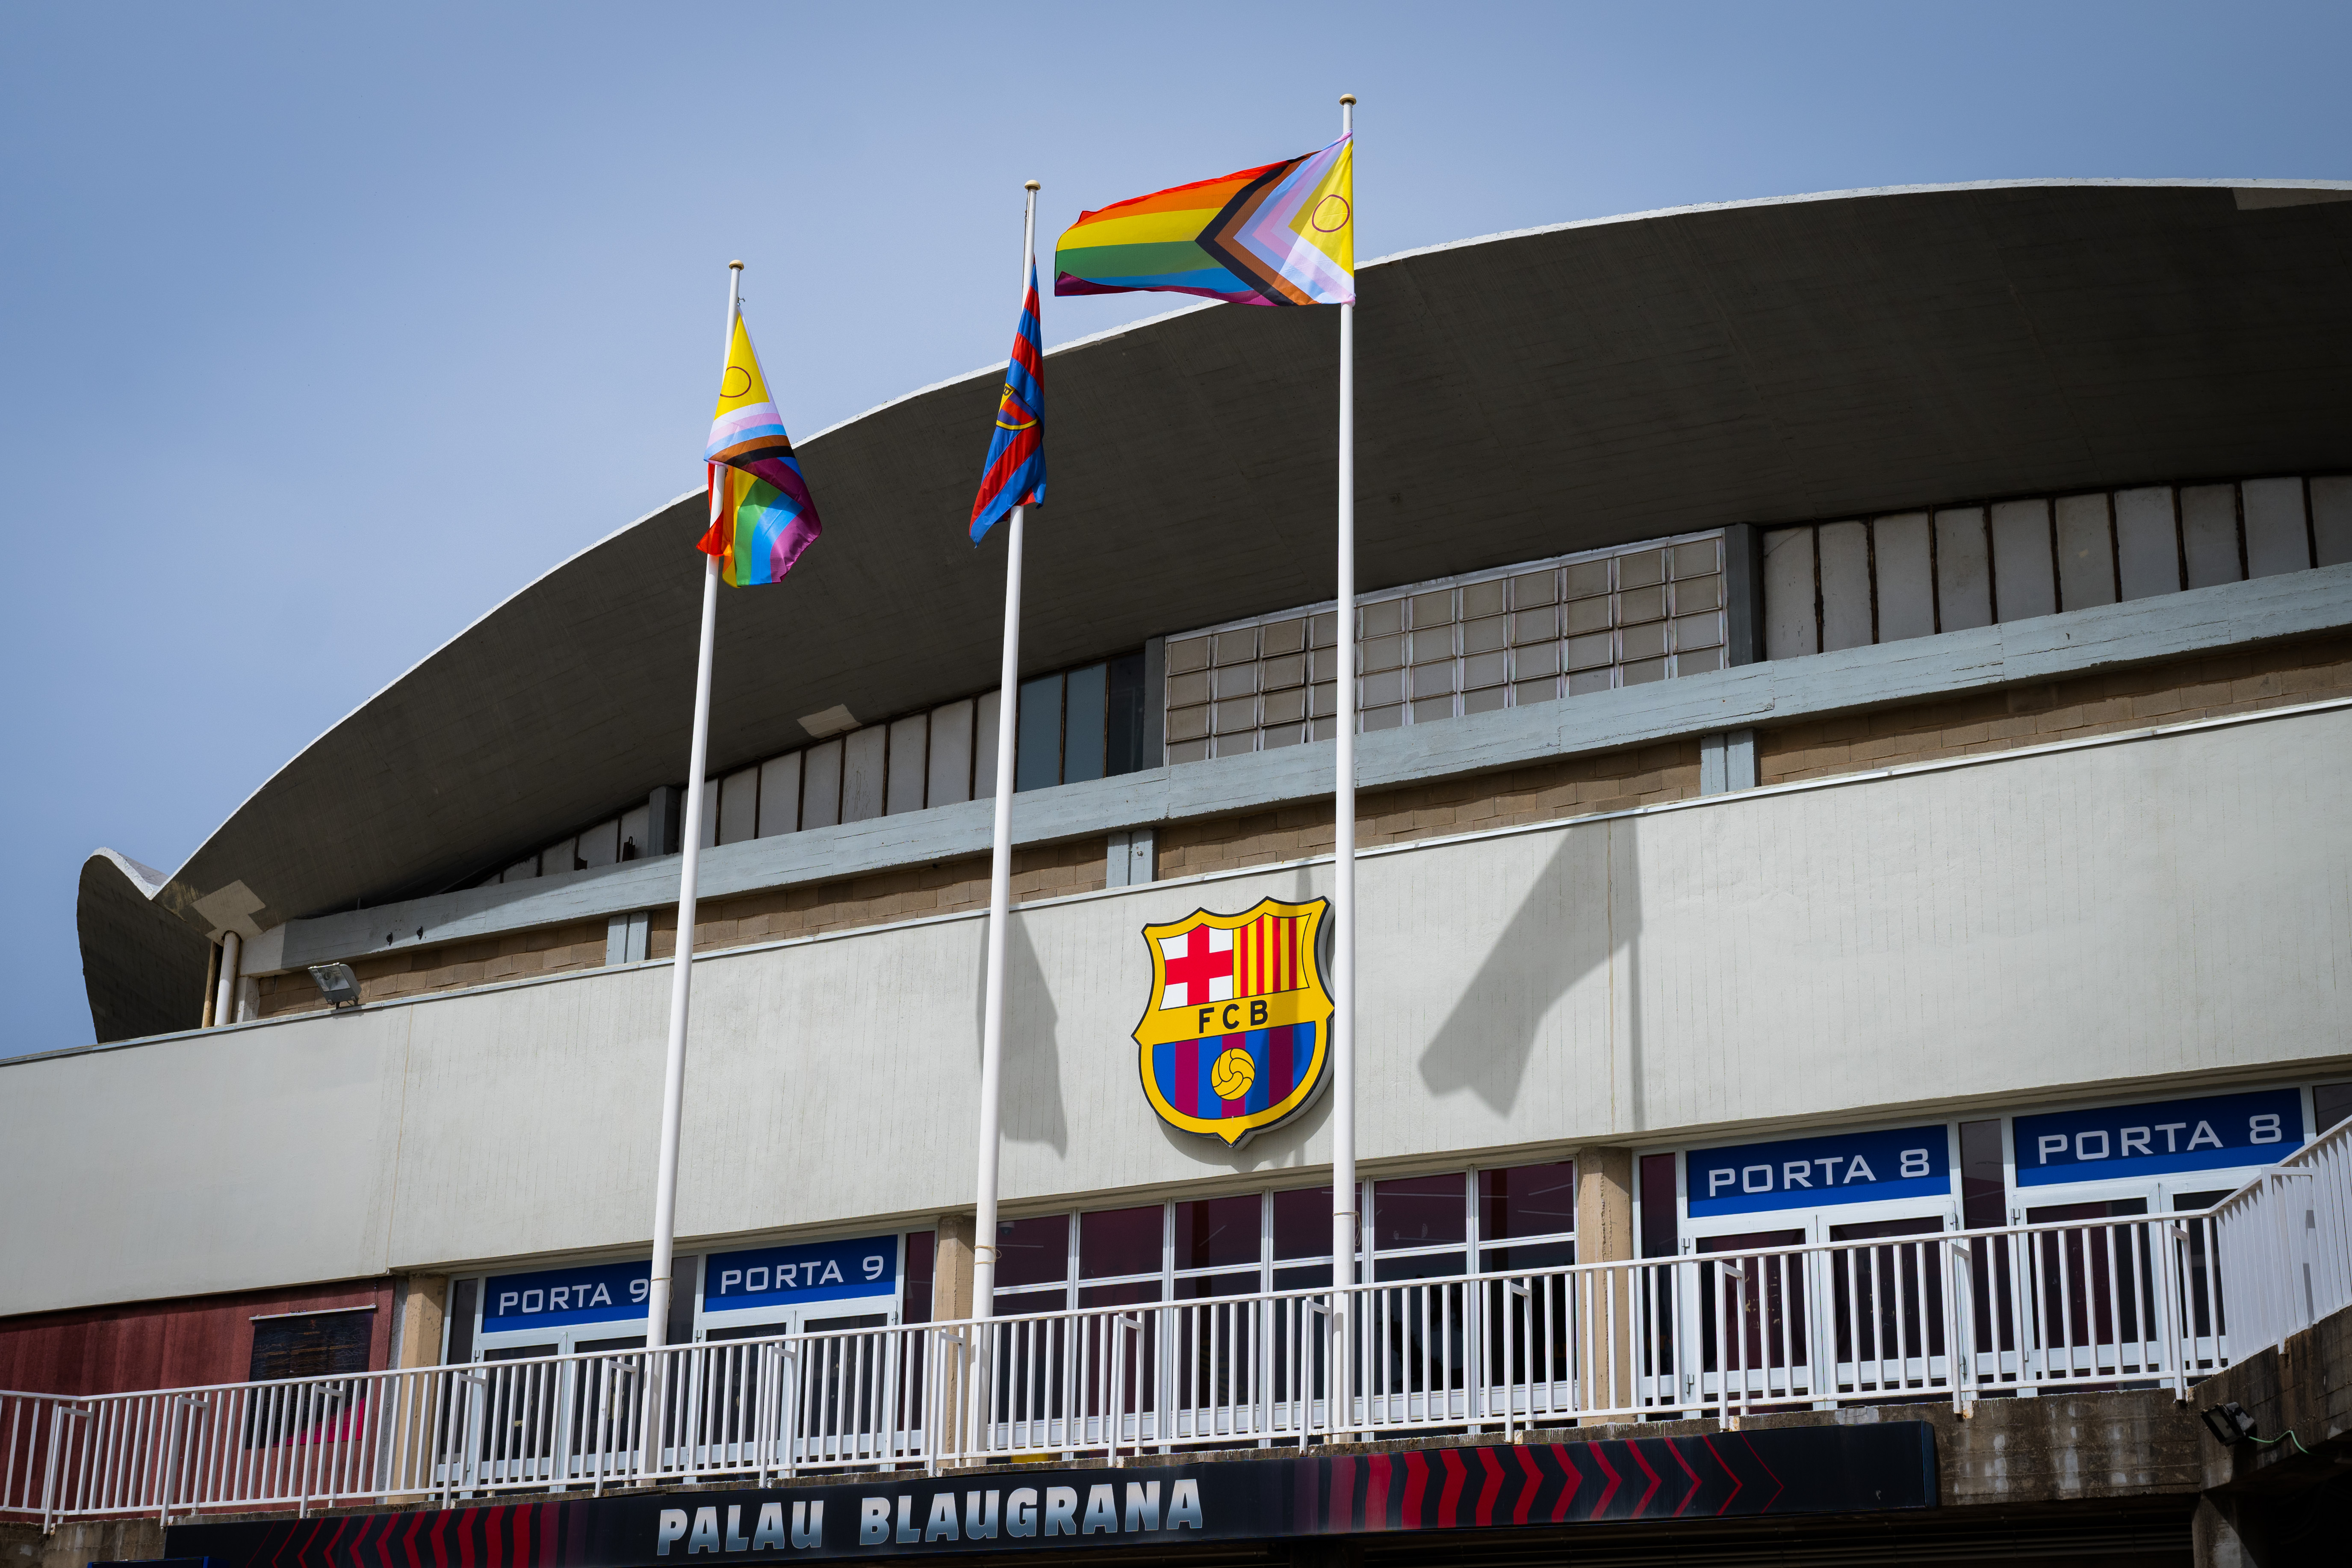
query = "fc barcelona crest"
{"x": 1237, "y": 1032}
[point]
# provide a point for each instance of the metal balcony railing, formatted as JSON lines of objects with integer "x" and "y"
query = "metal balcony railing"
{"x": 2284, "y": 1242}
{"x": 2120, "y": 1303}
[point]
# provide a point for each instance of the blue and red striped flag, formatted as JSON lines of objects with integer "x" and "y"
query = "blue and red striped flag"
{"x": 1015, "y": 474}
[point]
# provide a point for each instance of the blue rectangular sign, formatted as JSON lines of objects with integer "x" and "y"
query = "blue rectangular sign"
{"x": 1805, "y": 1173}
{"x": 595, "y": 1293}
{"x": 812, "y": 1272}
{"x": 2209, "y": 1134}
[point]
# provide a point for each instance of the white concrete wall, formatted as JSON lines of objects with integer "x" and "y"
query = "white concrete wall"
{"x": 2019, "y": 929}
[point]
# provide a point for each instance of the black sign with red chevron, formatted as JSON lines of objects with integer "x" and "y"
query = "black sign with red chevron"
{"x": 1773, "y": 1472}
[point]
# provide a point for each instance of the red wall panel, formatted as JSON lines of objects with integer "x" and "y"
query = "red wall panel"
{"x": 167, "y": 1345}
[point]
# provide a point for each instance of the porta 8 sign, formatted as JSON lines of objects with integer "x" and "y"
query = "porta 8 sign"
{"x": 1805, "y": 1173}
{"x": 2216, "y": 1134}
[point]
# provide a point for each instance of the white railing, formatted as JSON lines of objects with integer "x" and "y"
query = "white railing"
{"x": 27, "y": 1423}
{"x": 2285, "y": 1243}
{"x": 2115, "y": 1303}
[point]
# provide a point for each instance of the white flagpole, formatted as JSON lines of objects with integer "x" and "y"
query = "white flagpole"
{"x": 681, "y": 980}
{"x": 1344, "y": 1189}
{"x": 1000, "y": 881}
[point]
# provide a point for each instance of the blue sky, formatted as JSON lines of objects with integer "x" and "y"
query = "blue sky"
{"x": 326, "y": 328}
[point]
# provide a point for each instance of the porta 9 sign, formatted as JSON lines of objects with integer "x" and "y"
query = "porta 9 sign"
{"x": 812, "y": 1272}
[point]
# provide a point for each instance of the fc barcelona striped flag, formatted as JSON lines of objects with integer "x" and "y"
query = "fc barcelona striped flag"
{"x": 1014, "y": 474}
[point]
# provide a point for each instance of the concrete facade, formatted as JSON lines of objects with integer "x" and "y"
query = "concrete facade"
{"x": 1754, "y": 960}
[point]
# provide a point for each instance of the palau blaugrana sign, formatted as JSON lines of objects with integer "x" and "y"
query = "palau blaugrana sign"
{"x": 1147, "y": 1509}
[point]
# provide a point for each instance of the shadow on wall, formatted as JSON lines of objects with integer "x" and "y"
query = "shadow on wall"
{"x": 1032, "y": 1110}
{"x": 1583, "y": 904}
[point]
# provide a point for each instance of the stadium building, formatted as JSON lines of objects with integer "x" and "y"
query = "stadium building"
{"x": 1856, "y": 694}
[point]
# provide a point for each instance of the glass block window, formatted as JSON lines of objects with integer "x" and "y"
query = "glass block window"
{"x": 1472, "y": 643}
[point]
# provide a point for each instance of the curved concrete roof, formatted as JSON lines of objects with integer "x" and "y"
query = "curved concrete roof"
{"x": 1519, "y": 395}
{"x": 143, "y": 969}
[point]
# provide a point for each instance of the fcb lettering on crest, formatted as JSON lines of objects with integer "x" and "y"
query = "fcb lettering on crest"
{"x": 1236, "y": 1035}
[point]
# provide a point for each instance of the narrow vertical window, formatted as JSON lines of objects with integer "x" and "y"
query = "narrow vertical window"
{"x": 1984, "y": 1187}
{"x": 1085, "y": 712}
{"x": 1038, "y": 764}
{"x": 1123, "y": 723}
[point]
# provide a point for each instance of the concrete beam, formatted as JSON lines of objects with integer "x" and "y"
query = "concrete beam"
{"x": 2047, "y": 647}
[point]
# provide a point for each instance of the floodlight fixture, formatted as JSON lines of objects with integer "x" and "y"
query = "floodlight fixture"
{"x": 337, "y": 984}
{"x": 2229, "y": 1423}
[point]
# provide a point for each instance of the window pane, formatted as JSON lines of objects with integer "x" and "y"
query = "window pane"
{"x": 1306, "y": 1277}
{"x": 1751, "y": 1241}
{"x": 1118, "y": 1241}
{"x": 1420, "y": 1211}
{"x": 2330, "y": 1103}
{"x": 1123, "y": 732}
{"x": 1033, "y": 1251}
{"x": 1984, "y": 1197}
{"x": 1427, "y": 1266}
{"x": 1874, "y": 1229}
{"x": 1661, "y": 1225}
{"x": 917, "y": 1308}
{"x": 1218, "y": 1232}
{"x": 1038, "y": 764}
{"x": 1015, "y": 1303}
{"x": 1203, "y": 1286}
{"x": 1126, "y": 1294}
{"x": 1302, "y": 1223}
{"x": 461, "y": 1320}
{"x": 1526, "y": 1200}
{"x": 315, "y": 1344}
{"x": 1082, "y": 728}
{"x": 1536, "y": 1254}
{"x": 2105, "y": 1208}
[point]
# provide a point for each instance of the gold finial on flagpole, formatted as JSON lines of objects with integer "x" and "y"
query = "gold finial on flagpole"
{"x": 1031, "y": 186}
{"x": 734, "y": 266}
{"x": 1347, "y": 97}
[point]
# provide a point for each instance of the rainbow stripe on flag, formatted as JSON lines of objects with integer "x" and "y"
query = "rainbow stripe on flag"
{"x": 1283, "y": 234}
{"x": 762, "y": 518}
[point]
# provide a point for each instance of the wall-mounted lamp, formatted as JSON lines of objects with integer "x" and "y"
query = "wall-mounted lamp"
{"x": 337, "y": 984}
{"x": 2229, "y": 1423}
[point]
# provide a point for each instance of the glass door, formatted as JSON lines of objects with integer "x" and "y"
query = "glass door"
{"x": 777, "y": 1375}
{"x": 1885, "y": 1302}
{"x": 1862, "y": 1310}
